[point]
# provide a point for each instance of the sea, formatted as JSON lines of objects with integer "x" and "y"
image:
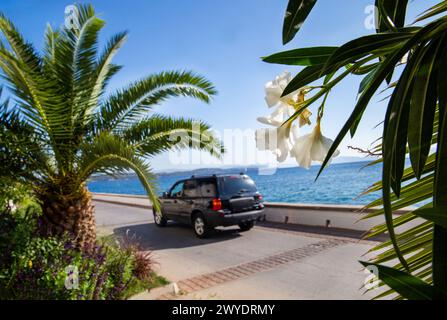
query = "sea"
{"x": 342, "y": 183}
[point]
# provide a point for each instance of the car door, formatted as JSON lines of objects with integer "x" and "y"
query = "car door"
{"x": 171, "y": 207}
{"x": 187, "y": 201}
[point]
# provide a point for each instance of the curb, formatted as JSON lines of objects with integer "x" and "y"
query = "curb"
{"x": 170, "y": 289}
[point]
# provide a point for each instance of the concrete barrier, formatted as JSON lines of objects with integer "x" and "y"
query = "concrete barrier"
{"x": 334, "y": 216}
{"x": 320, "y": 215}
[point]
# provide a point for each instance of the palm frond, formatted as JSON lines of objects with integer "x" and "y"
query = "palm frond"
{"x": 105, "y": 70}
{"x": 24, "y": 51}
{"x": 51, "y": 37}
{"x": 21, "y": 153}
{"x": 160, "y": 133}
{"x": 112, "y": 155}
{"x": 132, "y": 103}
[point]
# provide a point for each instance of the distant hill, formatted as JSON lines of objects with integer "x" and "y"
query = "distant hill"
{"x": 350, "y": 159}
{"x": 233, "y": 169}
{"x": 230, "y": 169}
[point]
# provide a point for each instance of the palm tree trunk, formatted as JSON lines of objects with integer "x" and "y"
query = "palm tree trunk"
{"x": 69, "y": 215}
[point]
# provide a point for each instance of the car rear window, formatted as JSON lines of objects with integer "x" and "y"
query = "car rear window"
{"x": 190, "y": 189}
{"x": 237, "y": 184}
{"x": 208, "y": 189}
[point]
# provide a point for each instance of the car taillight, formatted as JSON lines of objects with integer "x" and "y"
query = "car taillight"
{"x": 216, "y": 205}
{"x": 259, "y": 197}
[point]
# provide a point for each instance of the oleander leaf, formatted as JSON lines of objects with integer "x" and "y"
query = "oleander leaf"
{"x": 410, "y": 287}
{"x": 302, "y": 57}
{"x": 422, "y": 110}
{"x": 296, "y": 13}
{"x": 437, "y": 215}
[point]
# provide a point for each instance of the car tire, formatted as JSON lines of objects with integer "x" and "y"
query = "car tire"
{"x": 201, "y": 229}
{"x": 160, "y": 220}
{"x": 246, "y": 226}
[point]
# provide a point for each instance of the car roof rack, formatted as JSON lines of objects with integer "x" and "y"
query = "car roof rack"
{"x": 204, "y": 176}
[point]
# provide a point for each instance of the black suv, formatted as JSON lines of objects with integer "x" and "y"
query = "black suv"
{"x": 211, "y": 201}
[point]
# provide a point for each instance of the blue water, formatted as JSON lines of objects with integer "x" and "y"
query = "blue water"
{"x": 339, "y": 183}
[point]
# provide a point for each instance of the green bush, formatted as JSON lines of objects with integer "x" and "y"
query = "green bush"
{"x": 35, "y": 267}
{"x": 13, "y": 193}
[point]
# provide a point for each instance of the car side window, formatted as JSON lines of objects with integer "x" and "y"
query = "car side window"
{"x": 177, "y": 190}
{"x": 190, "y": 189}
{"x": 208, "y": 189}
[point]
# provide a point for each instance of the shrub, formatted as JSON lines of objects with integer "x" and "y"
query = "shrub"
{"x": 35, "y": 267}
{"x": 13, "y": 193}
{"x": 143, "y": 262}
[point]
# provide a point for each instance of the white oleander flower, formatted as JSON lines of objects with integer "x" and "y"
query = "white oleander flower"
{"x": 275, "y": 88}
{"x": 281, "y": 114}
{"x": 278, "y": 139}
{"x": 312, "y": 147}
{"x": 287, "y": 104}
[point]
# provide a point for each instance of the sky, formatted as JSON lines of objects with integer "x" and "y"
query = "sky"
{"x": 222, "y": 40}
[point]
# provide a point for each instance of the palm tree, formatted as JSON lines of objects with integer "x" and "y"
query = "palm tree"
{"x": 70, "y": 127}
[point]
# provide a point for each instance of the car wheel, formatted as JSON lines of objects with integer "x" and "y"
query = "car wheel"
{"x": 201, "y": 229}
{"x": 160, "y": 220}
{"x": 246, "y": 225}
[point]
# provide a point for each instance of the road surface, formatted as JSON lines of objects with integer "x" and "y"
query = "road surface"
{"x": 264, "y": 263}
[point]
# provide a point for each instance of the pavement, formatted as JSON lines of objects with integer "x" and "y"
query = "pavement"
{"x": 263, "y": 263}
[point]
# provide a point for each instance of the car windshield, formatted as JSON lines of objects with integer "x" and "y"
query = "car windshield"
{"x": 237, "y": 184}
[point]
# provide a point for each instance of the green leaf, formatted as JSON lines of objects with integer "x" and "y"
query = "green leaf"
{"x": 157, "y": 133}
{"x": 302, "y": 57}
{"x": 385, "y": 21}
{"x": 442, "y": 80}
{"x": 437, "y": 215}
{"x": 410, "y": 287}
{"x": 385, "y": 68}
{"x": 400, "y": 13}
{"x": 306, "y": 76}
{"x": 363, "y": 46}
{"x": 365, "y": 69}
{"x": 400, "y": 150}
{"x": 441, "y": 168}
{"x": 440, "y": 193}
{"x": 422, "y": 110}
{"x": 133, "y": 102}
{"x": 396, "y": 113}
{"x": 367, "y": 79}
{"x": 391, "y": 14}
{"x": 296, "y": 13}
{"x": 433, "y": 11}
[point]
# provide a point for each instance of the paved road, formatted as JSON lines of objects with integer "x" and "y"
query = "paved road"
{"x": 265, "y": 263}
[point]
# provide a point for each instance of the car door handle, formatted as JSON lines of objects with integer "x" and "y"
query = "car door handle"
{"x": 189, "y": 201}
{"x": 175, "y": 201}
